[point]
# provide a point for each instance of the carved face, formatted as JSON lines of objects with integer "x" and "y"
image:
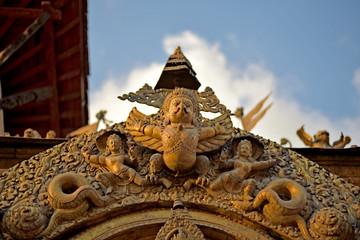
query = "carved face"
{"x": 181, "y": 110}
{"x": 244, "y": 150}
{"x": 114, "y": 143}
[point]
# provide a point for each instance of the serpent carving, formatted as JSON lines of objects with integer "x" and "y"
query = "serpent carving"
{"x": 282, "y": 201}
{"x": 70, "y": 194}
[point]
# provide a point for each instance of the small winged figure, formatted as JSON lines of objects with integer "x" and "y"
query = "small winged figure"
{"x": 180, "y": 135}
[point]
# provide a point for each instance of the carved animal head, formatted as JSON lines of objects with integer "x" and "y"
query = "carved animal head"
{"x": 180, "y": 106}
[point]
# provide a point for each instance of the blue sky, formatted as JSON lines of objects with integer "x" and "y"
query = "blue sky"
{"x": 310, "y": 48}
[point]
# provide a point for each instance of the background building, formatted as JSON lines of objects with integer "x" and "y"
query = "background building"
{"x": 43, "y": 66}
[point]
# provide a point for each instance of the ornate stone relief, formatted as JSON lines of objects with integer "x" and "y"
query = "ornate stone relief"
{"x": 175, "y": 153}
{"x": 178, "y": 226}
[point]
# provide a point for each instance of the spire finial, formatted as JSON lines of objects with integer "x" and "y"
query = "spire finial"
{"x": 178, "y": 51}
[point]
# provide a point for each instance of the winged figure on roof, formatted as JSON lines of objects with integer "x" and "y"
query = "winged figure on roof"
{"x": 180, "y": 135}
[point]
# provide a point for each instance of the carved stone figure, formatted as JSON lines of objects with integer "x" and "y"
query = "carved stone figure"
{"x": 31, "y": 133}
{"x": 180, "y": 135}
{"x": 114, "y": 159}
{"x": 235, "y": 181}
{"x": 321, "y": 139}
{"x": 50, "y": 134}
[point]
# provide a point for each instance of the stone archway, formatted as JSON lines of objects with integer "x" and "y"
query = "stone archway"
{"x": 146, "y": 224}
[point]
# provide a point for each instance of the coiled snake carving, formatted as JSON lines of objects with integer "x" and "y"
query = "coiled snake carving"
{"x": 282, "y": 201}
{"x": 70, "y": 194}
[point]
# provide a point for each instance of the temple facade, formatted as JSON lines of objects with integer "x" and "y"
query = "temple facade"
{"x": 175, "y": 175}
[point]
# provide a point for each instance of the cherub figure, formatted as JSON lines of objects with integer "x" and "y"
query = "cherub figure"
{"x": 243, "y": 164}
{"x": 321, "y": 139}
{"x": 181, "y": 135}
{"x": 114, "y": 160}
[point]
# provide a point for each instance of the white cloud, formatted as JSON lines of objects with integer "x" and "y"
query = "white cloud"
{"x": 234, "y": 87}
{"x": 356, "y": 80}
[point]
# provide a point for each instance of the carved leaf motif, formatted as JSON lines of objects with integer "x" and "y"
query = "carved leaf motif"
{"x": 209, "y": 102}
{"x": 155, "y": 98}
{"x": 147, "y": 95}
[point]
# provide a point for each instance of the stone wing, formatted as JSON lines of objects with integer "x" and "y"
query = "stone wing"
{"x": 134, "y": 123}
{"x": 214, "y": 143}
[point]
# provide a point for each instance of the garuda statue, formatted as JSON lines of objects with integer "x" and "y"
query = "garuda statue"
{"x": 175, "y": 175}
{"x": 180, "y": 135}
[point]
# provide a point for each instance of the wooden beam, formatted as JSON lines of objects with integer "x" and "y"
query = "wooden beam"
{"x": 69, "y": 96}
{"x": 21, "y": 59}
{"x": 47, "y": 12}
{"x": 83, "y": 75}
{"x": 24, "y": 108}
{"x": 68, "y": 53}
{"x": 29, "y": 119}
{"x": 67, "y": 27}
{"x": 22, "y": 98}
{"x": 69, "y": 75}
{"x": 10, "y": 21}
{"x": 70, "y": 114}
{"x": 14, "y": 46}
{"x": 19, "y": 12}
{"x": 27, "y": 75}
{"x": 6, "y": 25}
{"x": 60, "y": 3}
{"x": 50, "y": 57}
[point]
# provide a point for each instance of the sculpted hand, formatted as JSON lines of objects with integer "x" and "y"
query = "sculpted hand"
{"x": 152, "y": 178}
{"x": 203, "y": 181}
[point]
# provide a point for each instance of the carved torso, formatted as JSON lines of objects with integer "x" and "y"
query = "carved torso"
{"x": 116, "y": 162}
{"x": 180, "y": 147}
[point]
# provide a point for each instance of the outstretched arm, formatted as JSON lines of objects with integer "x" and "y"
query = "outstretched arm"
{"x": 149, "y": 130}
{"x": 342, "y": 141}
{"x": 209, "y": 132}
{"x": 306, "y": 138}
{"x": 93, "y": 158}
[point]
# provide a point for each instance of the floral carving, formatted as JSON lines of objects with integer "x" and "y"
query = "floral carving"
{"x": 329, "y": 223}
{"x": 24, "y": 220}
